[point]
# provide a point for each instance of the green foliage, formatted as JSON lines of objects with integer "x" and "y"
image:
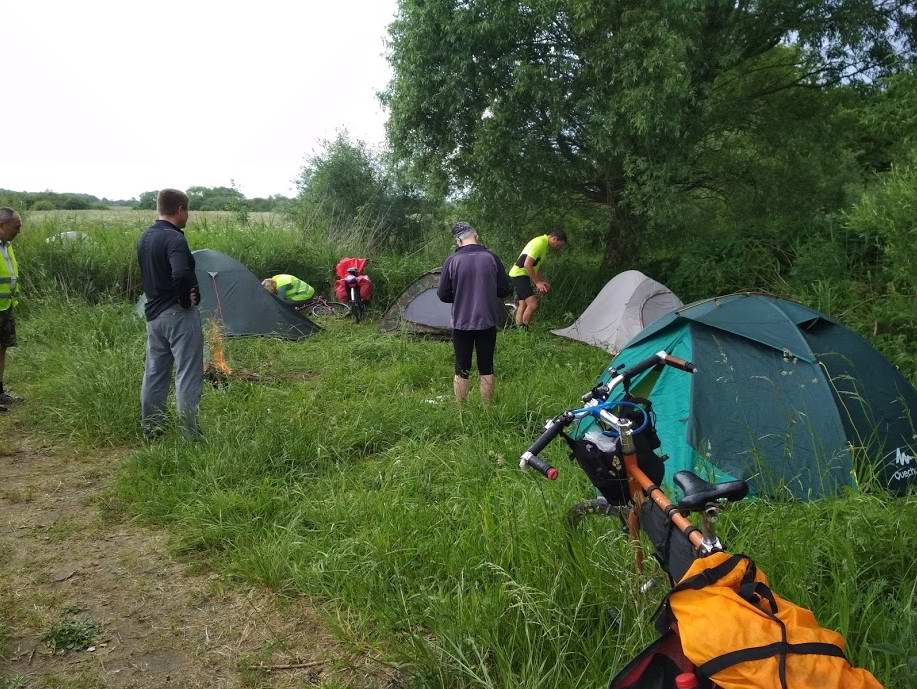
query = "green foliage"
{"x": 49, "y": 200}
{"x": 147, "y": 201}
{"x": 72, "y": 634}
{"x": 346, "y": 183}
{"x": 627, "y": 105}
{"x": 886, "y": 217}
{"x": 221, "y": 199}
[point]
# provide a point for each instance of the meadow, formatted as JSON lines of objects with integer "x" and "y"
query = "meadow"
{"x": 347, "y": 474}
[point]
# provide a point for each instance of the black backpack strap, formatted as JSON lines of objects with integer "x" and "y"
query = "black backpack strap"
{"x": 709, "y": 576}
{"x": 756, "y": 591}
{"x": 711, "y": 667}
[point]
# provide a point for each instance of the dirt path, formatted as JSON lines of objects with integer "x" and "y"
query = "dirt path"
{"x": 160, "y": 623}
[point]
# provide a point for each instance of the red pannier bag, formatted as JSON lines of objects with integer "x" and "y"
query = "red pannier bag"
{"x": 364, "y": 284}
{"x": 346, "y": 263}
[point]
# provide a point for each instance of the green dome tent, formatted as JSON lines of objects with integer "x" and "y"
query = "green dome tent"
{"x": 784, "y": 397}
{"x": 233, "y": 296}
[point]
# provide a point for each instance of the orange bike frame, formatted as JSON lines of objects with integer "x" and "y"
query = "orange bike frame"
{"x": 640, "y": 487}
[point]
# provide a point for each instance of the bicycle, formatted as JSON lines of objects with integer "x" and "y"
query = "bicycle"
{"x": 320, "y": 307}
{"x": 353, "y": 294}
{"x": 720, "y": 623}
{"x": 627, "y": 473}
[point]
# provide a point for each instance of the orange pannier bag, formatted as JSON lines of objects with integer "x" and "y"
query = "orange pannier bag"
{"x": 742, "y": 636}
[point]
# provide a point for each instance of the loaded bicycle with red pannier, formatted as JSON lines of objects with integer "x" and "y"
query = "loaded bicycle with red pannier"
{"x": 353, "y": 286}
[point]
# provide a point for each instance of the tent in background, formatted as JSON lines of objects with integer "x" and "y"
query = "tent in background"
{"x": 784, "y": 397}
{"x": 628, "y": 302}
{"x": 233, "y": 295}
{"x": 418, "y": 310}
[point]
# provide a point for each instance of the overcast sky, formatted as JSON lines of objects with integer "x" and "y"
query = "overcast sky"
{"x": 117, "y": 97}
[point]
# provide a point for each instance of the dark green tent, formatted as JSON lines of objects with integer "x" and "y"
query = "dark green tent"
{"x": 784, "y": 397}
{"x": 233, "y": 296}
{"x": 418, "y": 310}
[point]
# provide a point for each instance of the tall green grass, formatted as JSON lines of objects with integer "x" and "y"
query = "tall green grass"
{"x": 348, "y": 474}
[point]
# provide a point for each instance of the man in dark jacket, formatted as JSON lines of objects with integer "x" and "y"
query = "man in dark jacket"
{"x": 474, "y": 281}
{"x": 173, "y": 321}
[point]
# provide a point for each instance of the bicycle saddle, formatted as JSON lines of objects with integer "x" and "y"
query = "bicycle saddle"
{"x": 697, "y": 492}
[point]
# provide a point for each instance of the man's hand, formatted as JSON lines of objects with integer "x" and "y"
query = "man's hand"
{"x": 543, "y": 287}
{"x": 195, "y": 296}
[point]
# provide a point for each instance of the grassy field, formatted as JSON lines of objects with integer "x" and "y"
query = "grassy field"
{"x": 347, "y": 473}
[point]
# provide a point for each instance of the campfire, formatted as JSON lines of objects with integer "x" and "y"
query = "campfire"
{"x": 217, "y": 352}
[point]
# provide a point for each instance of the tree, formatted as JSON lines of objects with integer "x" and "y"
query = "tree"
{"x": 346, "y": 181}
{"x": 147, "y": 200}
{"x": 614, "y": 103}
{"x": 344, "y": 176}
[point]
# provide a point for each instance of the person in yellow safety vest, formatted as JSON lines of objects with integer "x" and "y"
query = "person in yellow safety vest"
{"x": 289, "y": 289}
{"x": 10, "y": 224}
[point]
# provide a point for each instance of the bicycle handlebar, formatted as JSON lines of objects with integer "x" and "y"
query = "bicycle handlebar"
{"x": 554, "y": 426}
{"x": 539, "y": 465}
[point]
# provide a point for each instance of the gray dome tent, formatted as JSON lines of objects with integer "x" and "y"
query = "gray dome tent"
{"x": 233, "y": 295}
{"x": 628, "y": 303}
{"x": 418, "y": 310}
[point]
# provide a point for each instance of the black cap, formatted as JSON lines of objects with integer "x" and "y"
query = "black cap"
{"x": 460, "y": 228}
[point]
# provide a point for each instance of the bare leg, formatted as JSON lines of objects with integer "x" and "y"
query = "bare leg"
{"x": 460, "y": 388}
{"x": 531, "y": 306}
{"x": 520, "y": 311}
{"x": 487, "y": 389}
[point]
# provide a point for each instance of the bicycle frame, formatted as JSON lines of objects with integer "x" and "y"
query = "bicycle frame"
{"x": 640, "y": 487}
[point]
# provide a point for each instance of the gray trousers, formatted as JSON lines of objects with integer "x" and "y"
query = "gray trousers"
{"x": 174, "y": 336}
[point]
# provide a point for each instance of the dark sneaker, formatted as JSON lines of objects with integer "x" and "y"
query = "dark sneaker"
{"x": 3, "y": 408}
{"x": 151, "y": 435}
{"x": 8, "y": 398}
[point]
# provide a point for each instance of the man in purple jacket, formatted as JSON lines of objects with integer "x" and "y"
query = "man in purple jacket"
{"x": 474, "y": 281}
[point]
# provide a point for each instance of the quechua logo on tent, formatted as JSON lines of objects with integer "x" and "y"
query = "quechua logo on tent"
{"x": 905, "y": 461}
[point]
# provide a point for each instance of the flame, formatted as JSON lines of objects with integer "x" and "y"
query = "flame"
{"x": 215, "y": 343}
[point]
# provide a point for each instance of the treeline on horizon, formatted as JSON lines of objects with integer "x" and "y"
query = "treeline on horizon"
{"x": 202, "y": 199}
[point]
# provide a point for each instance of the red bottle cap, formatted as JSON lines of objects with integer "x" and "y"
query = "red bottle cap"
{"x": 686, "y": 680}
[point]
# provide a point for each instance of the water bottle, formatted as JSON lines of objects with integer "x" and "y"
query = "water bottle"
{"x": 686, "y": 680}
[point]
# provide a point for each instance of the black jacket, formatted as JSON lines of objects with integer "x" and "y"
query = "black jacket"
{"x": 167, "y": 268}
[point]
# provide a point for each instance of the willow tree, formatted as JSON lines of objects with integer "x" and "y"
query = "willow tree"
{"x": 614, "y": 103}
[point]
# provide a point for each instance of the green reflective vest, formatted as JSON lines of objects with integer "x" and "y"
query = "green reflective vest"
{"x": 8, "y": 290}
{"x": 296, "y": 290}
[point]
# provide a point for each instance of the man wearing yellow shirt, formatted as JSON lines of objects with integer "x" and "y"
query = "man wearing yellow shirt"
{"x": 526, "y": 274}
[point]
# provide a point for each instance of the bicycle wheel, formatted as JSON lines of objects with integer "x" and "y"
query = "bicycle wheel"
{"x": 337, "y": 309}
{"x": 320, "y": 309}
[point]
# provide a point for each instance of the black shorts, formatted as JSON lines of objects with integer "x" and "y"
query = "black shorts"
{"x": 7, "y": 328}
{"x": 466, "y": 341}
{"x": 523, "y": 287}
